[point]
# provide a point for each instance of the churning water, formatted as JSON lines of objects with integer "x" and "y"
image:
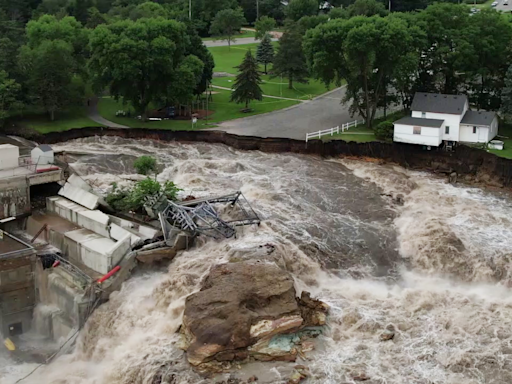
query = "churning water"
{"x": 436, "y": 267}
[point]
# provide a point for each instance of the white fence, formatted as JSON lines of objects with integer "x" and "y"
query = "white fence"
{"x": 334, "y": 130}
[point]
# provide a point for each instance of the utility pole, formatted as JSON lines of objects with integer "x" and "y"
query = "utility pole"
{"x": 258, "y": 10}
{"x": 389, "y": 5}
{"x": 207, "y": 97}
{"x": 190, "y": 9}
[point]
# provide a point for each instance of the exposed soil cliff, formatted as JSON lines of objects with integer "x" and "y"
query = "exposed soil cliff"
{"x": 476, "y": 164}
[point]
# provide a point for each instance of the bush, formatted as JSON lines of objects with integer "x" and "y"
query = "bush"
{"x": 133, "y": 199}
{"x": 145, "y": 165}
{"x": 384, "y": 131}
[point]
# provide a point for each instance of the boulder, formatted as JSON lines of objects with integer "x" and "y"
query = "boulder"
{"x": 248, "y": 309}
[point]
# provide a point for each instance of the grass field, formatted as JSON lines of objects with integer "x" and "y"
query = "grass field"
{"x": 65, "y": 120}
{"x": 227, "y": 59}
{"x": 243, "y": 33}
{"x": 505, "y": 129}
{"x": 224, "y": 110}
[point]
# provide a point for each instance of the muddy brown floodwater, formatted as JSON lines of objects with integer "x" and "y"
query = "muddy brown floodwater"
{"x": 436, "y": 267}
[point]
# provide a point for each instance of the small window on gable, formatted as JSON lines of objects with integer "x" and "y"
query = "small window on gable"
{"x": 474, "y": 129}
{"x": 416, "y": 130}
{"x": 447, "y": 130}
{"x": 423, "y": 115}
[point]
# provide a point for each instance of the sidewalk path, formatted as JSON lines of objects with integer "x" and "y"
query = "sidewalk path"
{"x": 240, "y": 41}
{"x": 270, "y": 97}
{"x": 94, "y": 115}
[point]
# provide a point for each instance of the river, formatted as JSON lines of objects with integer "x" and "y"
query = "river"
{"x": 436, "y": 265}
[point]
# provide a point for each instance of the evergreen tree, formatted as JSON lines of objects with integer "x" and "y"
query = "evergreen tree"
{"x": 247, "y": 84}
{"x": 506, "y": 94}
{"x": 290, "y": 60}
{"x": 265, "y": 52}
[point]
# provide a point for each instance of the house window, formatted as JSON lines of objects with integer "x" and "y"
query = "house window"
{"x": 423, "y": 115}
{"x": 416, "y": 130}
{"x": 474, "y": 129}
{"x": 447, "y": 130}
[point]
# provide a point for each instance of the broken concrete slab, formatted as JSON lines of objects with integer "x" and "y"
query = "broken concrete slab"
{"x": 79, "y": 196}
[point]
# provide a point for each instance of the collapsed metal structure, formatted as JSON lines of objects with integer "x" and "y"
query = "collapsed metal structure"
{"x": 199, "y": 217}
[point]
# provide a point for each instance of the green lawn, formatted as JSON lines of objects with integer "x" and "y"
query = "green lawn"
{"x": 243, "y": 33}
{"x": 65, "y": 120}
{"x": 505, "y": 129}
{"x": 222, "y": 107}
{"x": 364, "y": 138}
{"x": 227, "y": 58}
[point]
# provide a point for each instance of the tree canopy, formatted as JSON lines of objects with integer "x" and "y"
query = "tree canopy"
{"x": 144, "y": 61}
{"x": 227, "y": 23}
{"x": 247, "y": 83}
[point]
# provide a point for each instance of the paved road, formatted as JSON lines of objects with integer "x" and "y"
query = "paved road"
{"x": 294, "y": 122}
{"x": 240, "y": 41}
{"x": 270, "y": 97}
{"x": 502, "y": 7}
{"x": 94, "y": 115}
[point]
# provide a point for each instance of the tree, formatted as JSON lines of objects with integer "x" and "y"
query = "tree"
{"x": 290, "y": 61}
{"x": 148, "y": 10}
{"x": 50, "y": 70}
{"x": 227, "y": 23}
{"x": 363, "y": 51}
{"x": 144, "y": 61}
{"x": 310, "y": 22}
{"x": 145, "y": 165}
{"x": 449, "y": 53}
{"x": 247, "y": 83}
{"x": 273, "y": 9}
{"x": 265, "y": 52}
{"x": 491, "y": 38}
{"x": 299, "y": 8}
{"x": 506, "y": 94}
{"x": 366, "y": 8}
{"x": 9, "y": 91}
{"x": 263, "y": 26}
{"x": 384, "y": 131}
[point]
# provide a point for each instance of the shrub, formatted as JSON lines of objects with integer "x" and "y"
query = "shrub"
{"x": 145, "y": 165}
{"x": 384, "y": 131}
{"x": 133, "y": 199}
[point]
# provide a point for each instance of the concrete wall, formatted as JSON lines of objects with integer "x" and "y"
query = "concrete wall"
{"x": 9, "y": 155}
{"x": 79, "y": 196}
{"x": 17, "y": 291}
{"x": 46, "y": 177}
{"x": 14, "y": 197}
{"x": 429, "y": 136}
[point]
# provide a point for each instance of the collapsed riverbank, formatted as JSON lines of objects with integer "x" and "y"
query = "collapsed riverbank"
{"x": 475, "y": 165}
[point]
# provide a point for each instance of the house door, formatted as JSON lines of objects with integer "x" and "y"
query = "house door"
{"x": 483, "y": 133}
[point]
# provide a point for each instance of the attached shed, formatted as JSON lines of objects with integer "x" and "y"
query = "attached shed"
{"x": 42, "y": 155}
{"x": 478, "y": 127}
{"x": 413, "y": 130}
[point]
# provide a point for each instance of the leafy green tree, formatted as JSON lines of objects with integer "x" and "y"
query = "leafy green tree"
{"x": 144, "y": 61}
{"x": 300, "y": 8}
{"x": 265, "y": 52}
{"x": 492, "y": 33}
{"x": 264, "y": 26}
{"x": 227, "y": 23}
{"x": 198, "y": 49}
{"x": 247, "y": 83}
{"x": 9, "y": 91}
{"x": 147, "y": 10}
{"x": 50, "y": 71}
{"x": 338, "y": 13}
{"x": 366, "y": 8}
{"x": 310, "y": 22}
{"x": 290, "y": 60}
{"x": 506, "y": 94}
{"x": 363, "y": 51}
{"x": 79, "y": 9}
{"x": 145, "y": 165}
{"x": 273, "y": 9}
{"x": 95, "y": 18}
{"x": 450, "y": 52}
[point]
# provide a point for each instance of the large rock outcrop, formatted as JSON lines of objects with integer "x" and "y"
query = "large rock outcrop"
{"x": 249, "y": 310}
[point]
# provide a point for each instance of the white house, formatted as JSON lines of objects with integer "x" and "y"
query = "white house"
{"x": 42, "y": 155}
{"x": 436, "y": 118}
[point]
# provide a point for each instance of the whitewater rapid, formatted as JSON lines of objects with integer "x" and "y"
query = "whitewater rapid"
{"x": 437, "y": 267}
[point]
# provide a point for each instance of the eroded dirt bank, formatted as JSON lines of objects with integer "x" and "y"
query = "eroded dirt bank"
{"x": 475, "y": 164}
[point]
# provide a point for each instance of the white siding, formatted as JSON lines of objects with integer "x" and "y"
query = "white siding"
{"x": 429, "y": 136}
{"x": 452, "y": 121}
{"x": 483, "y": 134}
{"x": 41, "y": 158}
